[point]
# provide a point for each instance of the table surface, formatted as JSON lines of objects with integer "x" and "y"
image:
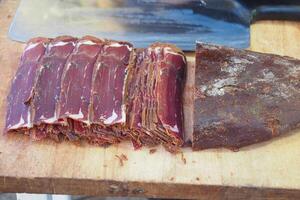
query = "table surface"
{"x": 266, "y": 170}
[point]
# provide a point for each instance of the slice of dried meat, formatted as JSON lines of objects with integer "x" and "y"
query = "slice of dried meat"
{"x": 169, "y": 92}
{"x": 48, "y": 85}
{"x": 243, "y": 97}
{"x": 18, "y": 110}
{"x": 76, "y": 85}
{"x": 107, "y": 108}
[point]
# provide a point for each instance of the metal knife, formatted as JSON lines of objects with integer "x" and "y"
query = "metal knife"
{"x": 143, "y": 22}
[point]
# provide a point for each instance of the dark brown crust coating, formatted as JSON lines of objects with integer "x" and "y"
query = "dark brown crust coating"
{"x": 243, "y": 97}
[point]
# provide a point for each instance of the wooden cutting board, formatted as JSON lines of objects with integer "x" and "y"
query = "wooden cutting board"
{"x": 266, "y": 170}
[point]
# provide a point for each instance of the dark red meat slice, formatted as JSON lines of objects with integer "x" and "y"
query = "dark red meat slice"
{"x": 18, "y": 110}
{"x": 108, "y": 91}
{"x": 169, "y": 92}
{"x": 48, "y": 84}
{"x": 77, "y": 82}
{"x": 243, "y": 97}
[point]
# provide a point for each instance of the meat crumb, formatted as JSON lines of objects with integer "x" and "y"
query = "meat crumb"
{"x": 152, "y": 151}
{"x": 104, "y": 165}
{"x": 198, "y": 179}
{"x": 183, "y": 158}
{"x": 172, "y": 179}
{"x": 122, "y": 158}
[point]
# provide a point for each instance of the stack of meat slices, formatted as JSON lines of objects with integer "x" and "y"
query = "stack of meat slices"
{"x": 102, "y": 91}
{"x": 155, "y": 110}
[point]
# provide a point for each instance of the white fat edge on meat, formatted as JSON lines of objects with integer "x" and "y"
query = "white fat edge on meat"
{"x": 76, "y": 116}
{"x": 161, "y": 71}
{"x": 31, "y": 46}
{"x": 86, "y": 42}
{"x": 20, "y": 124}
{"x": 60, "y": 43}
{"x": 110, "y": 119}
{"x": 157, "y": 50}
{"x": 116, "y": 44}
{"x": 173, "y": 128}
{"x": 123, "y": 116}
{"x": 168, "y": 50}
{"x": 123, "y": 107}
{"x": 49, "y": 120}
{"x": 68, "y": 66}
{"x": 87, "y": 122}
{"x": 123, "y": 119}
{"x": 29, "y": 123}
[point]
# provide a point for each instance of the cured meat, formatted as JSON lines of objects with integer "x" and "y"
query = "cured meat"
{"x": 156, "y": 111}
{"x": 107, "y": 109}
{"x": 138, "y": 82}
{"x": 243, "y": 97}
{"x": 169, "y": 93}
{"x": 75, "y": 92}
{"x": 18, "y": 111}
{"x": 48, "y": 85}
{"x": 102, "y": 91}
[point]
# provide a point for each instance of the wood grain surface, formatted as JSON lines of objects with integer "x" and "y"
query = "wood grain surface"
{"x": 268, "y": 170}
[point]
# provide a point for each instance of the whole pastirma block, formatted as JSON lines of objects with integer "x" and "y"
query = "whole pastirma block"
{"x": 243, "y": 97}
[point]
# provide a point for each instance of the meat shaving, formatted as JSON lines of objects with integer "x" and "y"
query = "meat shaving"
{"x": 122, "y": 158}
{"x": 152, "y": 151}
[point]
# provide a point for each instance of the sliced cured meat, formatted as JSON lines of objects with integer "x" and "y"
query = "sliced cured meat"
{"x": 108, "y": 87}
{"x": 243, "y": 97}
{"x": 107, "y": 108}
{"x": 138, "y": 81}
{"x": 156, "y": 109}
{"x": 48, "y": 84}
{"x": 18, "y": 110}
{"x": 101, "y": 91}
{"x": 76, "y": 85}
{"x": 169, "y": 91}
